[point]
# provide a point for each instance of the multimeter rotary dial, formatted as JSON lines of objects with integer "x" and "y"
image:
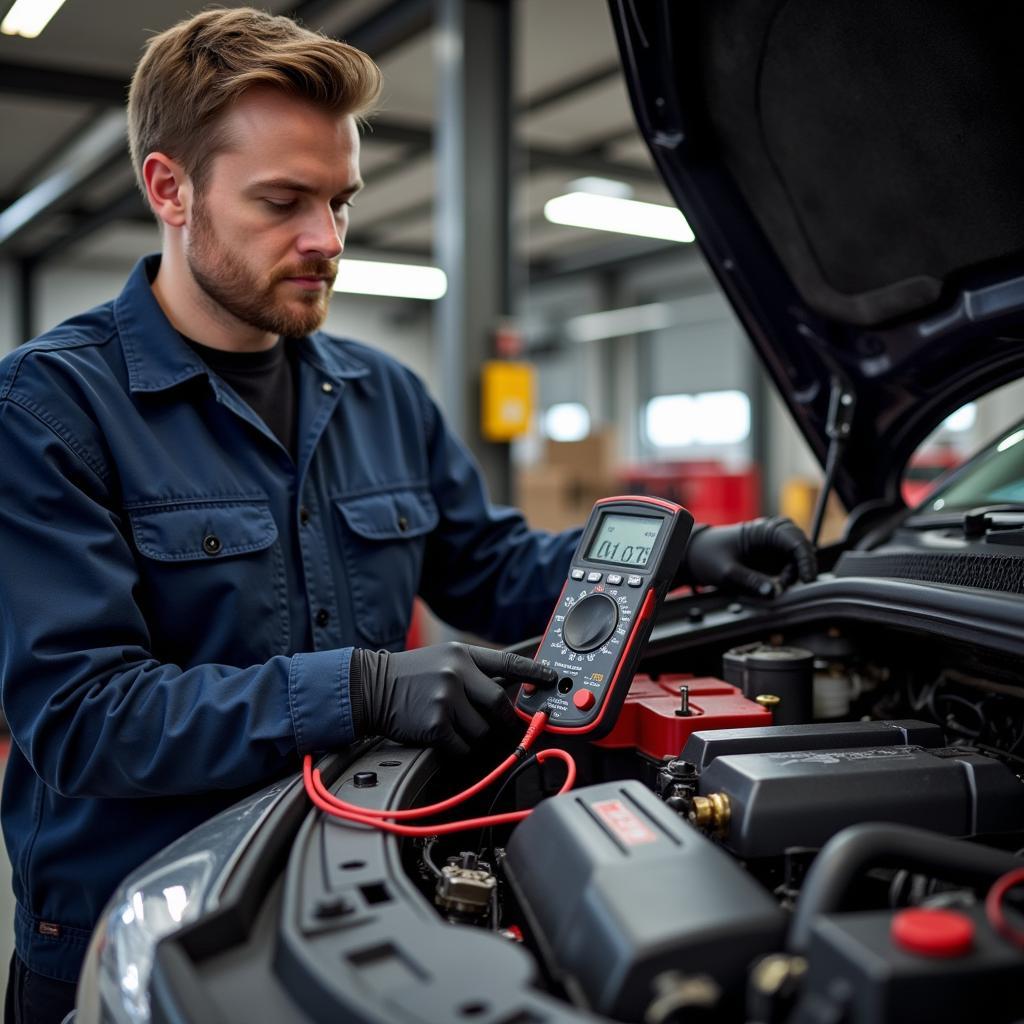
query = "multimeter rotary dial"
{"x": 590, "y": 623}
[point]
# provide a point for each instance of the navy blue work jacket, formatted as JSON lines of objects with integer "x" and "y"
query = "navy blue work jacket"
{"x": 180, "y": 598}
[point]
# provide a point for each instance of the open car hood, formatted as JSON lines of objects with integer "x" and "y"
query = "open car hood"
{"x": 853, "y": 174}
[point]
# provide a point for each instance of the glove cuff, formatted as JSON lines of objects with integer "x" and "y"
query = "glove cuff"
{"x": 357, "y": 692}
{"x": 684, "y": 574}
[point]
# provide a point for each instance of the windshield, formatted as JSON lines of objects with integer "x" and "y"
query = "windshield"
{"x": 996, "y": 477}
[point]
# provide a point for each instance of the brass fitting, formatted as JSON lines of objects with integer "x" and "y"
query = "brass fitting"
{"x": 711, "y": 813}
{"x": 768, "y": 700}
{"x": 777, "y": 972}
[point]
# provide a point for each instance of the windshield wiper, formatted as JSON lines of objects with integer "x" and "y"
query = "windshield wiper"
{"x": 975, "y": 521}
{"x": 995, "y": 518}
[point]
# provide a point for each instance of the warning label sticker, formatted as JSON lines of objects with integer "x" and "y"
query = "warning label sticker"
{"x": 625, "y": 824}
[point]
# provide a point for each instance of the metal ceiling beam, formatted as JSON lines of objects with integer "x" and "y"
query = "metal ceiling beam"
{"x": 392, "y": 27}
{"x": 310, "y": 12}
{"x": 89, "y": 156}
{"x": 592, "y": 163}
{"x": 587, "y": 160}
{"x": 128, "y": 206}
{"x": 379, "y": 34}
{"x": 569, "y": 88}
{"x": 38, "y": 168}
{"x": 59, "y": 84}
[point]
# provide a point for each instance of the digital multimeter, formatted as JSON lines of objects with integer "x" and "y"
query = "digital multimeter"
{"x": 625, "y": 563}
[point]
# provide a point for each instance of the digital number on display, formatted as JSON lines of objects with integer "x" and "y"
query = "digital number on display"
{"x": 624, "y": 540}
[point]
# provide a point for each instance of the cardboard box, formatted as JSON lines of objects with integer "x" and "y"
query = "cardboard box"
{"x": 553, "y": 498}
{"x": 594, "y": 459}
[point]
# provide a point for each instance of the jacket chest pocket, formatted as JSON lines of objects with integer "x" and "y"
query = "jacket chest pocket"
{"x": 213, "y": 581}
{"x": 383, "y": 540}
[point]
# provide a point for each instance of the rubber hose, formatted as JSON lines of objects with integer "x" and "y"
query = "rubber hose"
{"x": 857, "y": 849}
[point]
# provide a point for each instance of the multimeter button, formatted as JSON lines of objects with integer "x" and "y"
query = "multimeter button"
{"x": 577, "y": 574}
{"x": 583, "y": 699}
{"x": 590, "y": 622}
{"x": 594, "y": 577}
{"x": 635, "y": 581}
{"x": 614, "y": 579}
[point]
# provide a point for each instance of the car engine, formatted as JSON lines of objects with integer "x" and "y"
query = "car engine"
{"x": 813, "y": 833}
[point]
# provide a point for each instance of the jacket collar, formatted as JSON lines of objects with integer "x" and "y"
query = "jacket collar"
{"x": 157, "y": 358}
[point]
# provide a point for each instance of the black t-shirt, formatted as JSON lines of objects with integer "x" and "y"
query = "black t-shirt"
{"x": 265, "y": 381}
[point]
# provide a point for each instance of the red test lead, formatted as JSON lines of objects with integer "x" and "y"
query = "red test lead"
{"x": 330, "y": 804}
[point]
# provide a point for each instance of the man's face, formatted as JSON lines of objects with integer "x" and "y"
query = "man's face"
{"x": 269, "y": 226}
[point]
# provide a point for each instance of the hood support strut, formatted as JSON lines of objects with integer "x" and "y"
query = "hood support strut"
{"x": 842, "y": 404}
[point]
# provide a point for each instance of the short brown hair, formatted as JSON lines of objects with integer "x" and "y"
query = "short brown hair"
{"x": 190, "y": 74}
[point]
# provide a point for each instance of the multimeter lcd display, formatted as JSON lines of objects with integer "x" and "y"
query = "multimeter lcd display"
{"x": 624, "y": 540}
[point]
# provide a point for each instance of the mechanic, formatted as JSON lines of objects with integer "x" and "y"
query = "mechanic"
{"x": 214, "y": 518}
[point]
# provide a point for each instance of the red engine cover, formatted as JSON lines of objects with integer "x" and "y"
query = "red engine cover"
{"x": 648, "y": 720}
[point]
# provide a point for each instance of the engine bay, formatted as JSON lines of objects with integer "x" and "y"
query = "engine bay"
{"x": 809, "y": 810}
{"x": 684, "y": 873}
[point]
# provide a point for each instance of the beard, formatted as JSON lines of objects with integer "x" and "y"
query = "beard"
{"x": 234, "y": 286}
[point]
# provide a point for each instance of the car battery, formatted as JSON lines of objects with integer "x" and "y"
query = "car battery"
{"x": 620, "y": 893}
{"x": 887, "y": 967}
{"x": 762, "y": 803}
{"x": 659, "y": 715}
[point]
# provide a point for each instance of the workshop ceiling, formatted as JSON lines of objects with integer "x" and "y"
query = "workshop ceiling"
{"x": 60, "y": 93}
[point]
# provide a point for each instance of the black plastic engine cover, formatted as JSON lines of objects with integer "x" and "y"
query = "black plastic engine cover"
{"x": 804, "y": 797}
{"x": 857, "y": 973}
{"x": 703, "y": 747}
{"x": 618, "y": 890}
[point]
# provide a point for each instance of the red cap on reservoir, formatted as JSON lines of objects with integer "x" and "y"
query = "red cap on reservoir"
{"x": 933, "y": 932}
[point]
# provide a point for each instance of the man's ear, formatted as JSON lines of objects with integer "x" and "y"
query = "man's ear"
{"x": 168, "y": 189}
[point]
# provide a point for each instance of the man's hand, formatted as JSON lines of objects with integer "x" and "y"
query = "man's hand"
{"x": 759, "y": 557}
{"x": 443, "y": 696}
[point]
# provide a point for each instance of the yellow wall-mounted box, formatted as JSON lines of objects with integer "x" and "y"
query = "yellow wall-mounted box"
{"x": 506, "y": 399}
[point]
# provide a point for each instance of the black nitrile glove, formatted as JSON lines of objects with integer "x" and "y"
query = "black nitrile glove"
{"x": 442, "y": 696}
{"x": 758, "y": 557}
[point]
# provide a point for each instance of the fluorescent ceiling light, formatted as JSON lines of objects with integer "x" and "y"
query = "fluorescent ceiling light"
{"x": 615, "y": 323}
{"x": 1008, "y": 442}
{"x": 29, "y": 17}
{"x": 611, "y": 213}
{"x": 398, "y": 280}
{"x": 602, "y": 187}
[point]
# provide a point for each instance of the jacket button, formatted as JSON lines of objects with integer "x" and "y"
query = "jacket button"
{"x": 403, "y": 523}
{"x": 327, "y": 387}
{"x": 211, "y": 544}
{"x": 323, "y": 617}
{"x": 303, "y": 515}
